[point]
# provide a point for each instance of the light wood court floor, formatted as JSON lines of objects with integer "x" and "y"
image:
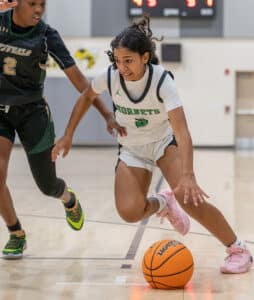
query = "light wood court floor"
{"x": 102, "y": 262}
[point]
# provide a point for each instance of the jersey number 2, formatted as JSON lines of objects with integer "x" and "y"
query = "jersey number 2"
{"x": 10, "y": 64}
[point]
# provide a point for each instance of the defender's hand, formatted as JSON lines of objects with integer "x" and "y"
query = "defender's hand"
{"x": 5, "y": 4}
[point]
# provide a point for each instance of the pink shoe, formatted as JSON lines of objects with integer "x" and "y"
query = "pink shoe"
{"x": 239, "y": 260}
{"x": 176, "y": 216}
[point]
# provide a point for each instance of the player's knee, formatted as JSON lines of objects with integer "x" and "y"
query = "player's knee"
{"x": 131, "y": 218}
{"x": 48, "y": 190}
{"x": 130, "y": 215}
{"x": 52, "y": 189}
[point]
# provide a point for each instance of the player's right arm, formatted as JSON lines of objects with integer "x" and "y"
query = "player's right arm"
{"x": 5, "y": 4}
{"x": 81, "y": 107}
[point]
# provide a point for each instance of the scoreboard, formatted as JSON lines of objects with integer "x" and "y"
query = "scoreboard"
{"x": 172, "y": 8}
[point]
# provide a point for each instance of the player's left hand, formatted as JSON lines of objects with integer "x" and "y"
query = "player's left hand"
{"x": 113, "y": 125}
{"x": 192, "y": 192}
{"x": 63, "y": 146}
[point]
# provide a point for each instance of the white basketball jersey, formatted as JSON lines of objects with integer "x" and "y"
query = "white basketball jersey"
{"x": 145, "y": 117}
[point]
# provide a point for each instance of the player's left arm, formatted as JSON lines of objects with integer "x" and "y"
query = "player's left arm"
{"x": 176, "y": 116}
{"x": 183, "y": 138}
{"x": 192, "y": 192}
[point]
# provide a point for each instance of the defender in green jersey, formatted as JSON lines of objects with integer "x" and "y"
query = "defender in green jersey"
{"x": 25, "y": 43}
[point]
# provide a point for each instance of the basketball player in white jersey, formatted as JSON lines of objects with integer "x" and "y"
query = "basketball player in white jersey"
{"x": 146, "y": 103}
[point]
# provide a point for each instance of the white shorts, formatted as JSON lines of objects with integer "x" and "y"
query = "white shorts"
{"x": 145, "y": 156}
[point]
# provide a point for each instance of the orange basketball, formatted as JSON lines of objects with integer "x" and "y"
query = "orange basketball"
{"x": 167, "y": 264}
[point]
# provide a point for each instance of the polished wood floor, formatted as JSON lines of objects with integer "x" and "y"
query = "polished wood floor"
{"x": 102, "y": 262}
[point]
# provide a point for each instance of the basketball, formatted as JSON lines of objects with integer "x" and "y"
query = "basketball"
{"x": 167, "y": 264}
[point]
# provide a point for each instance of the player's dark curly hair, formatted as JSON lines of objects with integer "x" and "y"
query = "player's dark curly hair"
{"x": 137, "y": 38}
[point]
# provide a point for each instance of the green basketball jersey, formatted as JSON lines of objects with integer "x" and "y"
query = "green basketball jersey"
{"x": 22, "y": 62}
{"x": 23, "y": 56}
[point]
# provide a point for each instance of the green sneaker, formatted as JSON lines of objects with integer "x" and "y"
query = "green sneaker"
{"x": 15, "y": 246}
{"x": 75, "y": 216}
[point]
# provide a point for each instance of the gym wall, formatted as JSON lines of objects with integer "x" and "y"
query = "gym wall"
{"x": 215, "y": 53}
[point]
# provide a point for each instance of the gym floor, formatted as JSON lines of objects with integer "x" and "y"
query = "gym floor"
{"x": 103, "y": 260}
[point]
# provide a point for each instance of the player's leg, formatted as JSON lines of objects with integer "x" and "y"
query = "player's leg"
{"x": 209, "y": 216}
{"x": 170, "y": 165}
{"x": 37, "y": 136}
{"x": 6, "y": 204}
{"x": 44, "y": 174}
{"x": 173, "y": 212}
{"x": 133, "y": 178}
{"x": 17, "y": 241}
{"x": 131, "y": 188}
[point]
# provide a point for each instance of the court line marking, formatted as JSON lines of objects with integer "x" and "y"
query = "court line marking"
{"x": 102, "y": 283}
{"x": 132, "y": 251}
{"x": 124, "y": 224}
{"x": 72, "y": 258}
{"x": 119, "y": 281}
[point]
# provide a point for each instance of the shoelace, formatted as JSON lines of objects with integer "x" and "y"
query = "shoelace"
{"x": 164, "y": 214}
{"x": 75, "y": 213}
{"x": 234, "y": 250}
{"x": 14, "y": 242}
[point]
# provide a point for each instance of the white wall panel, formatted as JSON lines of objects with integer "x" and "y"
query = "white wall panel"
{"x": 70, "y": 18}
{"x": 238, "y": 18}
{"x": 166, "y": 27}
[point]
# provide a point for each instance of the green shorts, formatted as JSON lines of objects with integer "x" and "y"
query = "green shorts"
{"x": 33, "y": 124}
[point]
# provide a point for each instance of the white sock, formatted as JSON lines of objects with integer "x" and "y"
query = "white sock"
{"x": 162, "y": 202}
{"x": 239, "y": 243}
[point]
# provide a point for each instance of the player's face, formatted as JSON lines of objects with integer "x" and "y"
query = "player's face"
{"x": 29, "y": 12}
{"x": 131, "y": 65}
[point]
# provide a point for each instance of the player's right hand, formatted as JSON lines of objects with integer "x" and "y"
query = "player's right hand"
{"x": 5, "y": 4}
{"x": 113, "y": 126}
{"x": 62, "y": 146}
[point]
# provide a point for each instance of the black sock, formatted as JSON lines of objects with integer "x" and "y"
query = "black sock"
{"x": 15, "y": 227}
{"x": 71, "y": 203}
